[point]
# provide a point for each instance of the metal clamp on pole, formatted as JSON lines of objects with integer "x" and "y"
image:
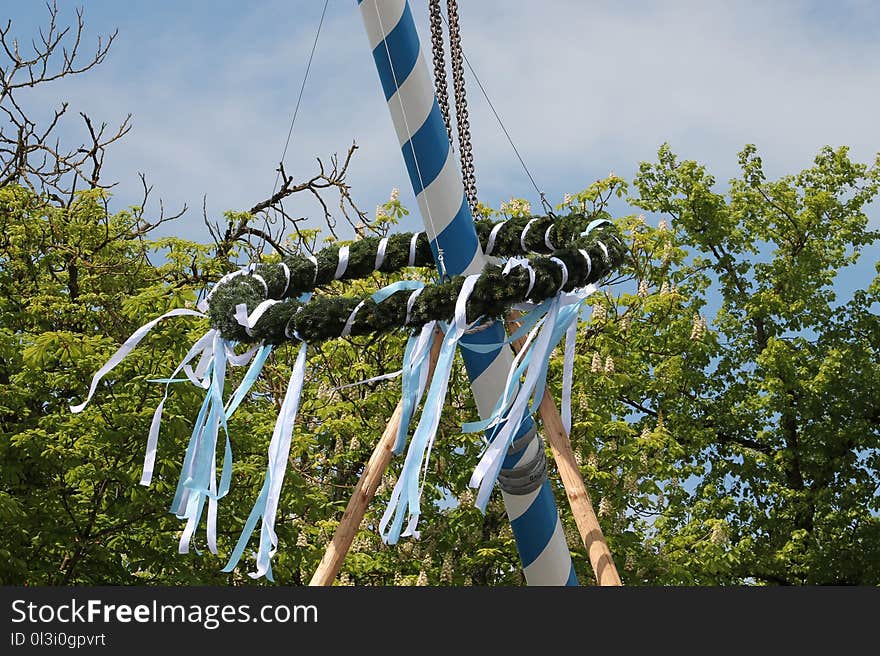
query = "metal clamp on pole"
{"x": 528, "y": 476}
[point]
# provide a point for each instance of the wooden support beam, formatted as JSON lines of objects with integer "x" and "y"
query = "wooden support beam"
{"x": 365, "y": 489}
{"x": 570, "y": 473}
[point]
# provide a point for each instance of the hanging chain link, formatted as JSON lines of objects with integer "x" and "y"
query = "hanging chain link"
{"x": 461, "y": 111}
{"x": 462, "y": 122}
{"x": 440, "y": 64}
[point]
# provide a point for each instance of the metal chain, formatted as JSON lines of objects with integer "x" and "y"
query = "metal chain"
{"x": 461, "y": 111}
{"x": 440, "y": 64}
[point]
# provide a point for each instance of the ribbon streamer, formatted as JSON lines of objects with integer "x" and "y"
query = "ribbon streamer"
{"x": 266, "y": 504}
{"x": 201, "y": 483}
{"x": 126, "y": 348}
{"x": 568, "y": 375}
{"x": 487, "y": 469}
{"x": 406, "y": 495}
{"x": 249, "y": 321}
{"x": 415, "y": 376}
{"x": 203, "y": 343}
{"x": 560, "y": 319}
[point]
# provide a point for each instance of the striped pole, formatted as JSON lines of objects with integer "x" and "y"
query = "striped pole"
{"x": 434, "y": 174}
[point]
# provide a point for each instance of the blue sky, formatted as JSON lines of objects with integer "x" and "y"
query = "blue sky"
{"x": 584, "y": 87}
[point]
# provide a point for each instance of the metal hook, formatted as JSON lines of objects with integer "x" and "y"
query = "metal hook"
{"x": 547, "y": 206}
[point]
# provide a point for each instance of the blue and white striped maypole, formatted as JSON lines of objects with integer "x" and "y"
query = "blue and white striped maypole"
{"x": 434, "y": 173}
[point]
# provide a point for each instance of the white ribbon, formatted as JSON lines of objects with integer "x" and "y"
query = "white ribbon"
{"x": 522, "y": 237}
{"x": 126, "y": 348}
{"x": 380, "y": 253}
{"x": 342, "y": 265}
{"x": 564, "y": 270}
{"x": 412, "y": 249}
{"x": 374, "y": 379}
{"x": 490, "y": 244}
{"x": 346, "y": 329}
{"x": 237, "y": 360}
{"x": 279, "y": 448}
{"x": 410, "y": 302}
{"x": 523, "y": 262}
{"x": 547, "y": 242}
{"x": 314, "y": 260}
{"x": 205, "y": 302}
{"x": 249, "y": 321}
{"x": 286, "y": 270}
{"x": 198, "y": 377}
{"x": 588, "y": 260}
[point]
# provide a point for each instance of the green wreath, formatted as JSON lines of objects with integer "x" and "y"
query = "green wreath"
{"x": 573, "y": 251}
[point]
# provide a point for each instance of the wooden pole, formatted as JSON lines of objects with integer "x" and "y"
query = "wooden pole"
{"x": 570, "y": 473}
{"x": 365, "y": 489}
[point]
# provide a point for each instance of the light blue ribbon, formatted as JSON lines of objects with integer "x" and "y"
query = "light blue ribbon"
{"x": 405, "y": 497}
{"x": 486, "y": 472}
{"x": 266, "y": 504}
{"x": 531, "y": 320}
{"x": 203, "y": 345}
{"x": 562, "y": 315}
{"x": 249, "y": 379}
{"x": 202, "y": 483}
{"x": 527, "y": 321}
{"x": 248, "y": 530}
{"x": 204, "y": 342}
{"x": 568, "y": 314}
{"x": 414, "y": 362}
{"x": 415, "y": 370}
{"x": 393, "y": 288}
{"x": 181, "y": 495}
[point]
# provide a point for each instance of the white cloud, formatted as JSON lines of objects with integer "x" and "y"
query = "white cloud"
{"x": 583, "y": 87}
{"x": 598, "y": 88}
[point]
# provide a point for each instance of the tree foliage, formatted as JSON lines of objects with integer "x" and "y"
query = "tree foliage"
{"x": 748, "y": 450}
{"x": 725, "y": 407}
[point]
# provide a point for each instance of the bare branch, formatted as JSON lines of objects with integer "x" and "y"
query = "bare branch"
{"x": 276, "y": 220}
{"x": 31, "y": 155}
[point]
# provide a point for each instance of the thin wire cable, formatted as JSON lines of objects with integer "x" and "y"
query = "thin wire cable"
{"x": 442, "y": 264}
{"x": 299, "y": 98}
{"x": 544, "y": 201}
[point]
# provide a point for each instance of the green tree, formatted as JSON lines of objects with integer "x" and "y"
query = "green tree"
{"x": 714, "y": 455}
{"x": 745, "y": 451}
{"x": 75, "y": 281}
{"x": 725, "y": 406}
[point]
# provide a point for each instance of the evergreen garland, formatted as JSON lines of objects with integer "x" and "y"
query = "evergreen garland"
{"x": 324, "y": 317}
